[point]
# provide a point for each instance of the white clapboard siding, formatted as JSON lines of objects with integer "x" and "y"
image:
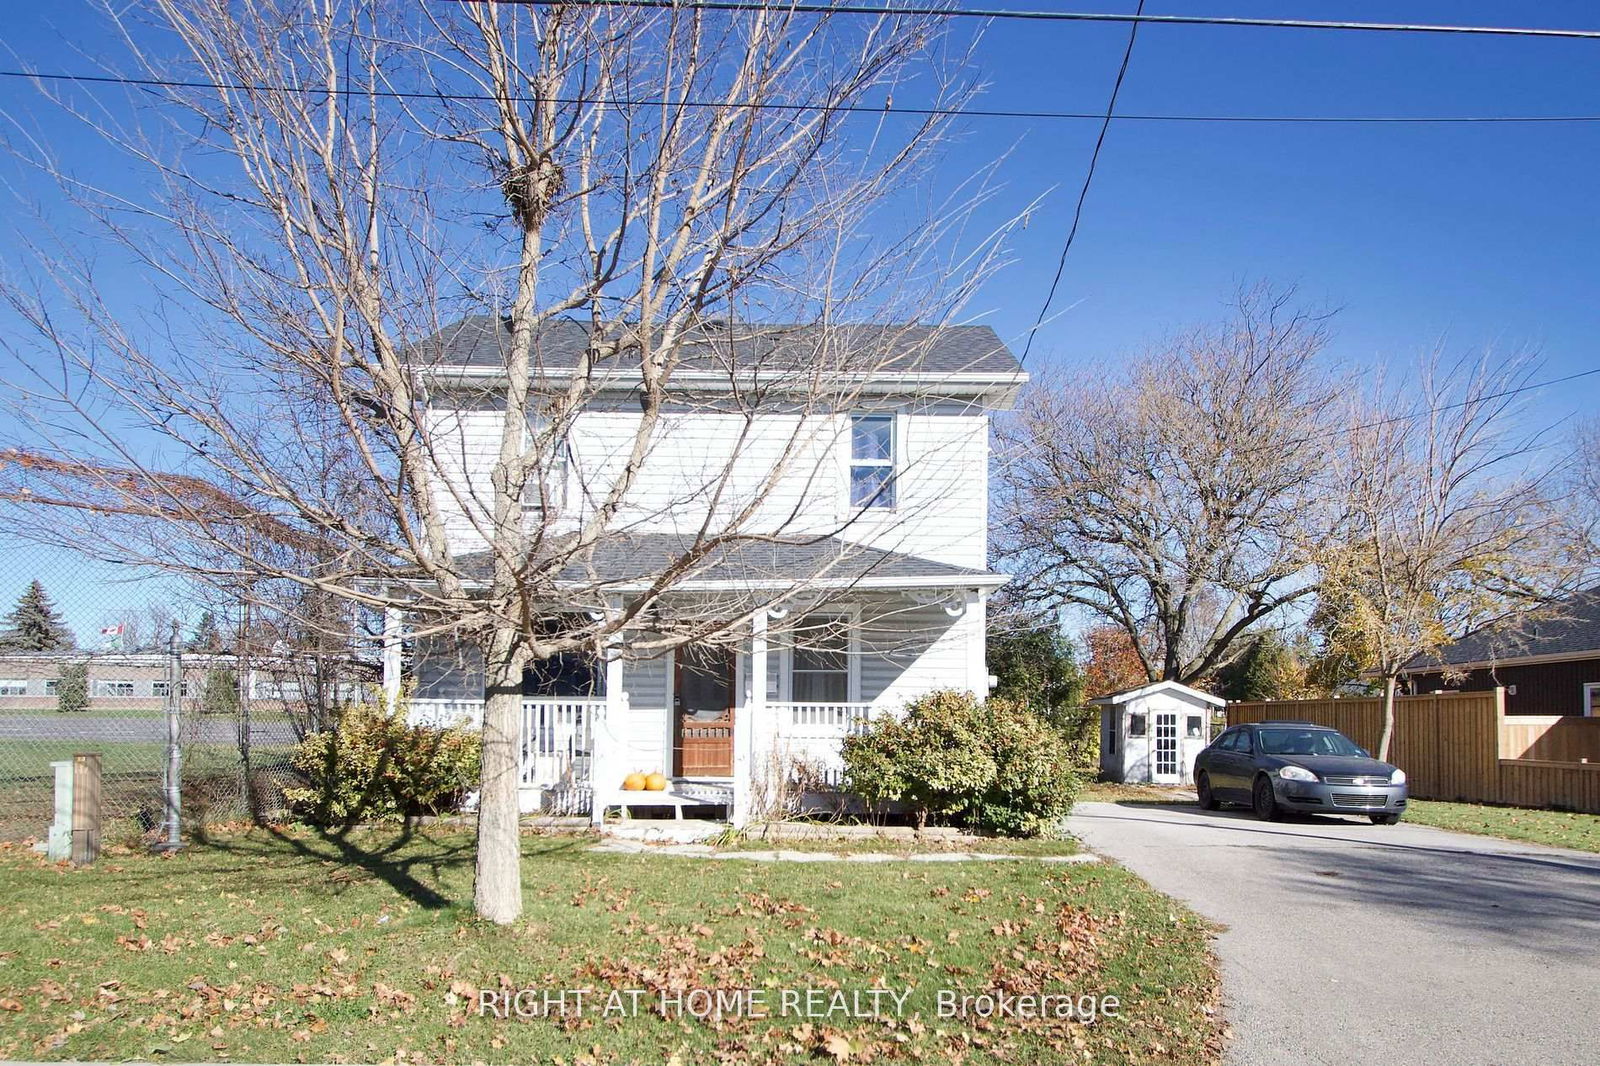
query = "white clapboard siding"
{"x": 907, "y": 650}
{"x": 700, "y": 457}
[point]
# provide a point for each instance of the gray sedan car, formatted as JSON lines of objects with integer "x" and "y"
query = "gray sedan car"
{"x": 1297, "y": 766}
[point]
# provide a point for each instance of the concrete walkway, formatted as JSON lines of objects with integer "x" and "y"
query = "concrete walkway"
{"x": 1346, "y": 942}
{"x": 706, "y": 851}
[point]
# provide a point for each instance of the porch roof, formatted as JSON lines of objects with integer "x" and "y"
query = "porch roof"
{"x": 627, "y": 561}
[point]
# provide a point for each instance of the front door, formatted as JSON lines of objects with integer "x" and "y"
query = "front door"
{"x": 702, "y": 699}
{"x": 1166, "y": 748}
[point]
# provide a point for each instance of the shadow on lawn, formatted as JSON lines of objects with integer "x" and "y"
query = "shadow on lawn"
{"x": 411, "y": 861}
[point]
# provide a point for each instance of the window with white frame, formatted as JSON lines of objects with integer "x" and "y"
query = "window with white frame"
{"x": 1591, "y": 700}
{"x": 160, "y": 688}
{"x": 872, "y": 480}
{"x": 52, "y": 687}
{"x": 819, "y": 665}
{"x": 12, "y": 686}
{"x": 113, "y": 686}
{"x": 545, "y": 488}
{"x": 273, "y": 689}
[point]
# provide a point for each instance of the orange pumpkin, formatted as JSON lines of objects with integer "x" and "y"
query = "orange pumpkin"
{"x": 633, "y": 783}
{"x": 656, "y": 783}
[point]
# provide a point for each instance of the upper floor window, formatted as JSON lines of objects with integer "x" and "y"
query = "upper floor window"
{"x": 872, "y": 482}
{"x": 547, "y": 480}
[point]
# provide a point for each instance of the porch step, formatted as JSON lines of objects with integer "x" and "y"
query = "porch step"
{"x": 680, "y": 831}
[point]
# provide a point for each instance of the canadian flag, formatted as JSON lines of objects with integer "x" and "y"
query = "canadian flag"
{"x": 110, "y": 634}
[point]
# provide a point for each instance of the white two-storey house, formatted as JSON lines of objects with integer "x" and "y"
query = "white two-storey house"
{"x": 859, "y": 492}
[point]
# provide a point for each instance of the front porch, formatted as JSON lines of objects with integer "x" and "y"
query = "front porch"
{"x": 732, "y": 724}
{"x": 566, "y": 742}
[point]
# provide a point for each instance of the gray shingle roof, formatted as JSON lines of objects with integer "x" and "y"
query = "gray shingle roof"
{"x": 631, "y": 559}
{"x": 1569, "y": 627}
{"x": 482, "y": 341}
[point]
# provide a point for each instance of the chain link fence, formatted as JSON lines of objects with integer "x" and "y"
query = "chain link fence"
{"x": 95, "y": 666}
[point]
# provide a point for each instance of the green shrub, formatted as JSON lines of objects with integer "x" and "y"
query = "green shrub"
{"x": 72, "y": 688}
{"x": 1037, "y": 668}
{"x": 932, "y": 759}
{"x": 1035, "y": 780}
{"x": 374, "y": 767}
{"x": 994, "y": 766}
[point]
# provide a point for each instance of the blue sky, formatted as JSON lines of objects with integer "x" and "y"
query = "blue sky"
{"x": 1470, "y": 236}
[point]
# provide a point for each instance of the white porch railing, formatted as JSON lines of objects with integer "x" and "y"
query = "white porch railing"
{"x": 557, "y": 734}
{"x": 811, "y": 733}
{"x": 557, "y": 740}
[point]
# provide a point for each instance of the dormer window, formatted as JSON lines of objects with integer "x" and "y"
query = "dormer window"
{"x": 872, "y": 482}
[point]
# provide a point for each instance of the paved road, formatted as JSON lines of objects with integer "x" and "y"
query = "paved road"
{"x": 1348, "y": 943}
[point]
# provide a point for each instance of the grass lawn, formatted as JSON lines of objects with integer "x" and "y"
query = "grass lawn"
{"x": 130, "y": 781}
{"x": 1561, "y": 829}
{"x": 296, "y": 946}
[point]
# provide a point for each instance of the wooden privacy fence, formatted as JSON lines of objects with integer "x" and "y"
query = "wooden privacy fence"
{"x": 1461, "y": 746}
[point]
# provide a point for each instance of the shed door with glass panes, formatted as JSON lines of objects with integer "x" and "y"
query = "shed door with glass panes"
{"x": 1166, "y": 747}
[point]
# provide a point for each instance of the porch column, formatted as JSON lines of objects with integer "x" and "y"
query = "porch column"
{"x": 393, "y": 627}
{"x": 603, "y": 781}
{"x": 977, "y": 653}
{"x": 751, "y": 723}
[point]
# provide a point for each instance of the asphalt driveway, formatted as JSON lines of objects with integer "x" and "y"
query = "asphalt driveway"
{"x": 1347, "y": 942}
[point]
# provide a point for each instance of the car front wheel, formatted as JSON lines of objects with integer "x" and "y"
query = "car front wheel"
{"x": 1265, "y": 803}
{"x": 1384, "y": 819}
{"x": 1202, "y": 788}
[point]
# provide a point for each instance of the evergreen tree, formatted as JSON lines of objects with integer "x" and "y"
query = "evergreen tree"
{"x": 207, "y": 635}
{"x": 1037, "y": 668}
{"x": 34, "y": 624}
{"x": 1268, "y": 670}
{"x": 221, "y": 693}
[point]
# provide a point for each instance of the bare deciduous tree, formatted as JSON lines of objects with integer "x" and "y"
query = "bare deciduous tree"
{"x": 1446, "y": 521}
{"x": 1180, "y": 499}
{"x": 337, "y": 182}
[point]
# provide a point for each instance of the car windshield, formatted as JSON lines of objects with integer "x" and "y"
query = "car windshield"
{"x": 1306, "y": 742}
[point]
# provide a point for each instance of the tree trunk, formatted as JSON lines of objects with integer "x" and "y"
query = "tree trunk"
{"x": 497, "y": 893}
{"x": 1388, "y": 718}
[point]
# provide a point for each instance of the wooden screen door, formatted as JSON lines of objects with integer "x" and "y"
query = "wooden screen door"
{"x": 702, "y": 698}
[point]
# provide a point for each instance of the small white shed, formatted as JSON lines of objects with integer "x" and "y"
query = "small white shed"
{"x": 1151, "y": 734}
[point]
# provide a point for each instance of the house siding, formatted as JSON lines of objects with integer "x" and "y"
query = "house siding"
{"x": 941, "y": 471}
{"x": 909, "y": 650}
{"x": 644, "y": 729}
{"x": 1541, "y": 688}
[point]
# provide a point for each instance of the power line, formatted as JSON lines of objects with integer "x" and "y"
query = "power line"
{"x": 868, "y": 109}
{"x": 1002, "y": 14}
{"x": 1472, "y": 402}
{"x": 1083, "y": 192}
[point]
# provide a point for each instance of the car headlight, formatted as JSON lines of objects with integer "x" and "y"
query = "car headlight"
{"x": 1397, "y": 778}
{"x": 1296, "y": 773}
